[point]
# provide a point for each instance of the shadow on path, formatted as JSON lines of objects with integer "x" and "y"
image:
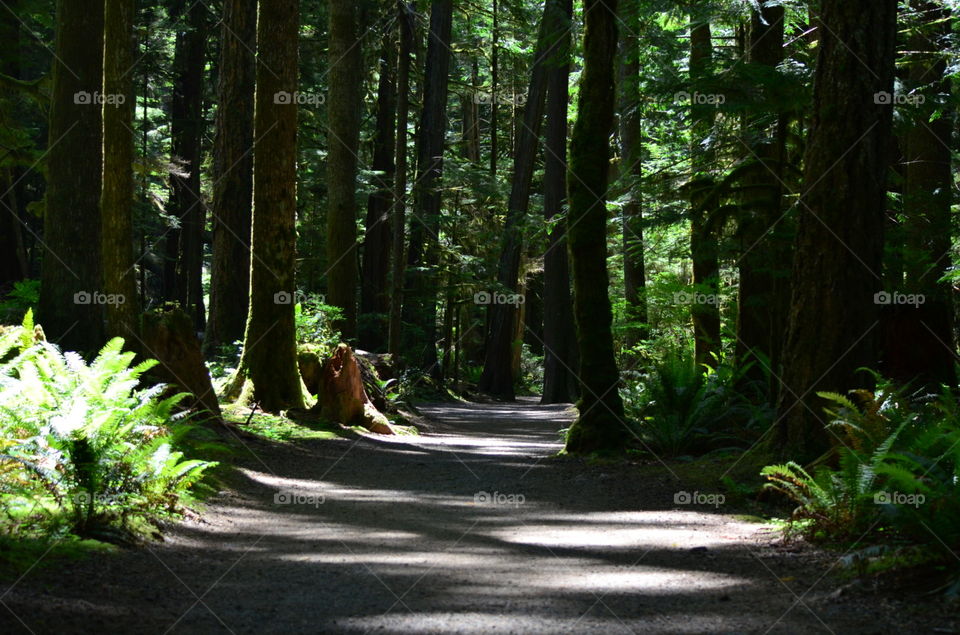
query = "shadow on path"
{"x": 474, "y": 527}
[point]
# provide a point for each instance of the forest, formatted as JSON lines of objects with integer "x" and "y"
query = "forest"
{"x": 516, "y": 316}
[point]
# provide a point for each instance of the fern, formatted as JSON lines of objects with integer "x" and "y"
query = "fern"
{"x": 87, "y": 436}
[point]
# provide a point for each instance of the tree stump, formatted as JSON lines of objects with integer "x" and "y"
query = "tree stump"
{"x": 168, "y": 337}
{"x": 340, "y": 393}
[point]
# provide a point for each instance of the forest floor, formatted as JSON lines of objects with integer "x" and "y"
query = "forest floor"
{"x": 473, "y": 527}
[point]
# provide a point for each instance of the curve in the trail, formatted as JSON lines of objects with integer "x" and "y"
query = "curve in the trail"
{"x": 472, "y": 527}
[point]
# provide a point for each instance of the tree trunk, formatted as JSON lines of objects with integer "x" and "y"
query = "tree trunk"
{"x": 494, "y": 88}
{"x": 421, "y": 307}
{"x": 341, "y": 396}
{"x": 559, "y": 333}
{"x": 168, "y": 337}
{"x": 600, "y": 425}
{"x": 116, "y": 202}
{"x": 233, "y": 175}
{"x": 270, "y": 349}
{"x": 631, "y": 172}
{"x": 13, "y": 261}
{"x": 374, "y": 292}
{"x": 704, "y": 248}
{"x": 71, "y": 275}
{"x": 471, "y": 117}
{"x": 497, "y": 377}
{"x": 836, "y": 273}
{"x": 764, "y": 293}
{"x": 927, "y": 197}
{"x": 186, "y": 131}
{"x": 398, "y": 255}
{"x": 343, "y": 142}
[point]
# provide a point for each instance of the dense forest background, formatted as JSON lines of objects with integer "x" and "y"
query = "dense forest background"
{"x": 717, "y": 227}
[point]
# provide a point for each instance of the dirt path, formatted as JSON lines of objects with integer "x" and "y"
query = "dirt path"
{"x": 470, "y": 528}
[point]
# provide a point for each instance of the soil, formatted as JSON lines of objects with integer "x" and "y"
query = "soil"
{"x": 473, "y": 527}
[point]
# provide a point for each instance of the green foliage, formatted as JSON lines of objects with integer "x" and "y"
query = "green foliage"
{"x": 315, "y": 321}
{"x": 83, "y": 446}
{"x": 897, "y": 471}
{"x": 531, "y": 371}
{"x": 23, "y": 297}
{"x": 677, "y": 408}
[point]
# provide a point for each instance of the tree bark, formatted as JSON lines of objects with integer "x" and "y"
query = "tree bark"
{"x": 233, "y": 175}
{"x": 398, "y": 255}
{"x": 421, "y": 305}
{"x": 559, "y": 332}
{"x": 186, "y": 131}
{"x": 631, "y": 153}
{"x": 343, "y": 142}
{"x": 71, "y": 272}
{"x": 927, "y": 197}
{"x": 374, "y": 290}
{"x": 497, "y": 377}
{"x": 600, "y": 425}
{"x": 764, "y": 293}
{"x": 13, "y": 261}
{"x": 836, "y": 273}
{"x": 494, "y": 87}
{"x": 269, "y": 359}
{"x": 168, "y": 337}
{"x": 704, "y": 247}
{"x": 116, "y": 202}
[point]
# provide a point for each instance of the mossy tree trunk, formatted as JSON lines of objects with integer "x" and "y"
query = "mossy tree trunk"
{"x": 233, "y": 175}
{"x": 343, "y": 107}
{"x": 269, "y": 362}
{"x": 116, "y": 202}
{"x": 71, "y": 271}
{"x": 836, "y": 272}
{"x": 600, "y": 425}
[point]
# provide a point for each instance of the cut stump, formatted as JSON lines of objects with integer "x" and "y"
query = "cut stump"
{"x": 168, "y": 337}
{"x": 339, "y": 389}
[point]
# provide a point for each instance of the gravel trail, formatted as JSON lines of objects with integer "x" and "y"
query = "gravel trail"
{"x": 472, "y": 527}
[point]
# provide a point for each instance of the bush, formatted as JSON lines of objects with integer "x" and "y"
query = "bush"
{"x": 24, "y": 296}
{"x": 315, "y": 320}
{"x": 896, "y": 474}
{"x": 678, "y": 408}
{"x": 82, "y": 445}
